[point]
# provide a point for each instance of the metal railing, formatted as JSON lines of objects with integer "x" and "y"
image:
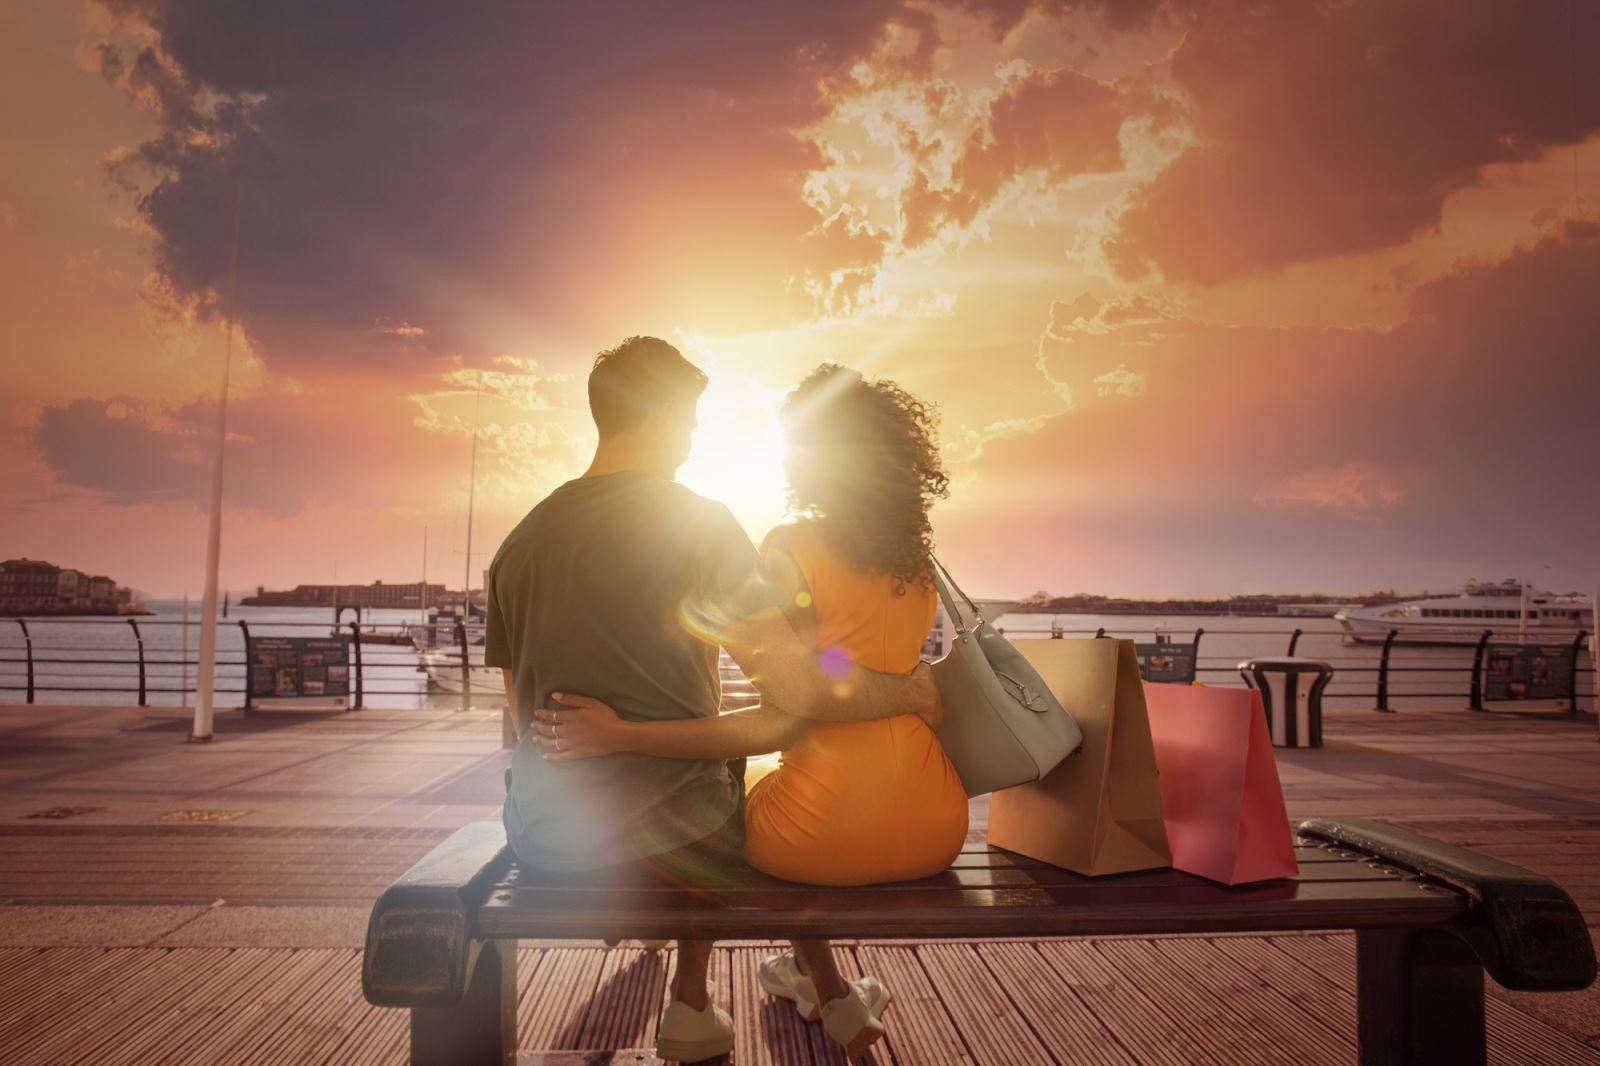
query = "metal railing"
{"x": 1400, "y": 670}
{"x": 141, "y": 670}
{"x": 1374, "y": 680}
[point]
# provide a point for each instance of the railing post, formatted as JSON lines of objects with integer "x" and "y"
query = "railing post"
{"x": 355, "y": 628}
{"x": 1475, "y": 696}
{"x": 466, "y": 667}
{"x": 28, "y": 641}
{"x": 1294, "y": 640}
{"x": 1194, "y": 648}
{"x": 245, "y": 629}
{"x": 1572, "y": 677}
{"x": 1099, "y": 632}
{"x": 142, "y": 694}
{"x": 1383, "y": 672}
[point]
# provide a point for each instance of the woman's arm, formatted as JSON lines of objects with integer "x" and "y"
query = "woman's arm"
{"x": 583, "y": 728}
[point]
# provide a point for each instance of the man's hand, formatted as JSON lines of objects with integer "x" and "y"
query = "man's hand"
{"x": 579, "y": 727}
{"x": 933, "y": 711}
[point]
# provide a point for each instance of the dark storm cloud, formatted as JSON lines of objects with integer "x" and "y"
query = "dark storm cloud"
{"x": 467, "y": 167}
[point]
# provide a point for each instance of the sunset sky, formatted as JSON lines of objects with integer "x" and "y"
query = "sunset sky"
{"x": 1213, "y": 297}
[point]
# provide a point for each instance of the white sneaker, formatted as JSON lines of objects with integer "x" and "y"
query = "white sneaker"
{"x": 780, "y": 976}
{"x": 689, "y": 1035}
{"x": 853, "y": 1020}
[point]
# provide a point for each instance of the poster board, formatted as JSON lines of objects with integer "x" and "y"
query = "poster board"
{"x": 299, "y": 673}
{"x": 1528, "y": 672}
{"x": 1165, "y": 663}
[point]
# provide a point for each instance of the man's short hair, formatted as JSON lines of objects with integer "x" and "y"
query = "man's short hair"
{"x": 636, "y": 379}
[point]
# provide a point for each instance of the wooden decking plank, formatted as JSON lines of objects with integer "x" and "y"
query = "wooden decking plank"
{"x": 1313, "y": 993}
{"x": 551, "y": 1009}
{"x": 1279, "y": 1020}
{"x": 620, "y": 1013}
{"x": 162, "y": 1006}
{"x": 1149, "y": 1033}
{"x": 1185, "y": 996}
{"x": 292, "y": 979}
{"x": 313, "y": 1027}
{"x": 166, "y": 1036}
{"x": 989, "y": 1023}
{"x": 91, "y": 1014}
{"x": 1513, "y": 1036}
{"x": 1066, "y": 1027}
{"x": 920, "y": 1029}
{"x": 48, "y": 990}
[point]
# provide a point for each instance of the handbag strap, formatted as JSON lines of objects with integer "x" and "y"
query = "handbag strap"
{"x": 950, "y": 607}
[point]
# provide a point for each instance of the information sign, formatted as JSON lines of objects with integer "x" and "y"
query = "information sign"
{"x": 312, "y": 672}
{"x": 1527, "y": 672}
{"x": 1169, "y": 663}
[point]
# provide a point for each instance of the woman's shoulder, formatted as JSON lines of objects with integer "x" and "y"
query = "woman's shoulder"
{"x": 795, "y": 534}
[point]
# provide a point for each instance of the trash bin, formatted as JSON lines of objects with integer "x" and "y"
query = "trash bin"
{"x": 1291, "y": 690}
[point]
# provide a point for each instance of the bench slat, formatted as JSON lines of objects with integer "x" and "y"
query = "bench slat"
{"x": 965, "y": 877}
{"x": 1055, "y": 910}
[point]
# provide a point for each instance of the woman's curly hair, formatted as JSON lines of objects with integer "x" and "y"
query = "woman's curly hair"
{"x": 863, "y": 461}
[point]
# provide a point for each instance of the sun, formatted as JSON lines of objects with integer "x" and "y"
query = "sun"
{"x": 737, "y": 453}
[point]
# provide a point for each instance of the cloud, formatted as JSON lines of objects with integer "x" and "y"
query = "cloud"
{"x": 1458, "y": 436}
{"x": 1355, "y": 485}
{"x": 503, "y": 172}
{"x": 1335, "y": 128}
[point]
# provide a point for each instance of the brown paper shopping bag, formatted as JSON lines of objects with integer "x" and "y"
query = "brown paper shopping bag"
{"x": 1099, "y": 812}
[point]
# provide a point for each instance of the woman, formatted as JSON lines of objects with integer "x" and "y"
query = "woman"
{"x": 849, "y": 803}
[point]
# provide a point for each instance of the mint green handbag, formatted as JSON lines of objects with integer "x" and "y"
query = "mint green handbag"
{"x": 1001, "y": 725}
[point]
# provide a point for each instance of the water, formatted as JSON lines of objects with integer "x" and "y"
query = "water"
{"x": 1420, "y": 677}
{"x": 61, "y": 648}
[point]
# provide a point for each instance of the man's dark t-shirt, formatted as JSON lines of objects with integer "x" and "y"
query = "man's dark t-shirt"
{"x": 614, "y": 587}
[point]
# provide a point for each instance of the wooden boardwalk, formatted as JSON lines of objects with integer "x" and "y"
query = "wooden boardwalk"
{"x": 1174, "y": 1000}
{"x": 128, "y": 936}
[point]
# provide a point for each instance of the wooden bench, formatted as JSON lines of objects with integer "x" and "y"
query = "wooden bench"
{"x": 1429, "y": 919}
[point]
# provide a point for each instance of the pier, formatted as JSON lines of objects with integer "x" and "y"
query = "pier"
{"x": 168, "y": 902}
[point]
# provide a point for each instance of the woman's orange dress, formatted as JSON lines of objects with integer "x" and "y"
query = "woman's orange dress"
{"x": 857, "y": 803}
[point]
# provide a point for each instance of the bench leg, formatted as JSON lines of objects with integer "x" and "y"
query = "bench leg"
{"x": 1419, "y": 999}
{"x": 481, "y": 1030}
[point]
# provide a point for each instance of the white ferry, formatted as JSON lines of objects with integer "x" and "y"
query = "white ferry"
{"x": 1462, "y": 619}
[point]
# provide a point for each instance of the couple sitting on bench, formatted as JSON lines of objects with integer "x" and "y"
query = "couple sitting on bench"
{"x": 606, "y": 608}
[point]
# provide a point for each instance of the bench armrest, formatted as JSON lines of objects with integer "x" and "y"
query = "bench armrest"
{"x": 420, "y": 948}
{"x": 1527, "y": 932}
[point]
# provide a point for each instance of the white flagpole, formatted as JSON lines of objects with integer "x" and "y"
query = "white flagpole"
{"x": 183, "y": 687}
{"x": 466, "y": 591}
{"x": 208, "y": 607}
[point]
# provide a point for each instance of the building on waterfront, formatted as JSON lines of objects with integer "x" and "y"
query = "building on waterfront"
{"x": 376, "y": 594}
{"x": 33, "y": 586}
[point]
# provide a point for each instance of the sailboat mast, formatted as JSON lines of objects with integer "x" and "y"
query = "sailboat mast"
{"x": 466, "y": 588}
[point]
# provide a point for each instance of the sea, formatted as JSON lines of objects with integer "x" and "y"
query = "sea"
{"x": 95, "y": 660}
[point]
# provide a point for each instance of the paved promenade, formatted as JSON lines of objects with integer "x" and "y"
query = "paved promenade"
{"x": 165, "y": 901}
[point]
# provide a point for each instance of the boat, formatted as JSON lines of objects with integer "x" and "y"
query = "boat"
{"x": 1462, "y": 619}
{"x": 443, "y": 667}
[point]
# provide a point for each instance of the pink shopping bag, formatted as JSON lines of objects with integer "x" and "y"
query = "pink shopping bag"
{"x": 1220, "y": 794}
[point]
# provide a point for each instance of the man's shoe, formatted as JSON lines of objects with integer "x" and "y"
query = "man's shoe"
{"x": 780, "y": 976}
{"x": 853, "y": 1020}
{"x": 689, "y": 1035}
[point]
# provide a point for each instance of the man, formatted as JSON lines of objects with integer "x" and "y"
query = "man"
{"x": 620, "y": 585}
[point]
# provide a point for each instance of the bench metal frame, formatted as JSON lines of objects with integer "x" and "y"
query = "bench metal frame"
{"x": 1429, "y": 919}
